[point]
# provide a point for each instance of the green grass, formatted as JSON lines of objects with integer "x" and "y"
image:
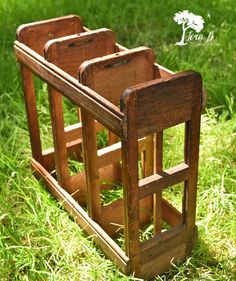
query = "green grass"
{"x": 38, "y": 240}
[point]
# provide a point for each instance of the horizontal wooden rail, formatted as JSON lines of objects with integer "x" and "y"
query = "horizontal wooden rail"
{"x": 112, "y": 153}
{"x": 157, "y": 182}
{"x": 158, "y": 244}
{"x": 74, "y": 131}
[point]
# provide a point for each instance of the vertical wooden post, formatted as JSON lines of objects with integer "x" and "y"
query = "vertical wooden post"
{"x": 157, "y": 197}
{"x": 32, "y": 115}
{"x": 91, "y": 166}
{"x": 59, "y": 138}
{"x": 130, "y": 184}
{"x": 149, "y": 155}
{"x": 192, "y": 139}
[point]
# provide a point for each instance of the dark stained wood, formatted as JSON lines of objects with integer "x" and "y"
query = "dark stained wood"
{"x": 130, "y": 184}
{"x": 74, "y": 132}
{"x": 36, "y": 34}
{"x": 167, "y": 178}
{"x": 165, "y": 103}
{"x": 157, "y": 206}
{"x": 78, "y": 182}
{"x": 112, "y": 220}
{"x": 192, "y": 134}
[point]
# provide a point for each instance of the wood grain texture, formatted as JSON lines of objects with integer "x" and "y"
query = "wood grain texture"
{"x": 91, "y": 166}
{"x": 70, "y": 52}
{"x": 36, "y": 34}
{"x": 32, "y": 114}
{"x": 130, "y": 184}
{"x": 165, "y": 179}
{"x": 164, "y": 102}
{"x": 157, "y": 196}
{"x": 192, "y": 140}
{"x": 110, "y": 75}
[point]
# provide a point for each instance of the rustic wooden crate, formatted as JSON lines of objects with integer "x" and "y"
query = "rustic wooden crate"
{"x": 136, "y": 100}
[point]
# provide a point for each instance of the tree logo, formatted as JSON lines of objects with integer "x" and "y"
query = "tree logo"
{"x": 188, "y": 20}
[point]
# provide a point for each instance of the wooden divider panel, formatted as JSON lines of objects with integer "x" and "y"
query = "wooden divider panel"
{"x": 36, "y": 34}
{"x": 110, "y": 75}
{"x": 71, "y": 51}
{"x": 68, "y": 53}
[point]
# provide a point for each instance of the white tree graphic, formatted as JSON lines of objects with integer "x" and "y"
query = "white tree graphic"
{"x": 188, "y": 20}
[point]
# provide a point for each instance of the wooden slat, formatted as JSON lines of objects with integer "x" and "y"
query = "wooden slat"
{"x": 59, "y": 139}
{"x": 192, "y": 139}
{"x": 162, "y": 243}
{"x": 106, "y": 174}
{"x": 158, "y": 253}
{"x": 163, "y": 262}
{"x": 170, "y": 214}
{"x": 32, "y": 115}
{"x": 69, "y": 52}
{"x": 36, "y": 34}
{"x": 74, "y": 131}
{"x": 164, "y": 72}
{"x": 157, "y": 207}
{"x": 69, "y": 78}
{"x": 167, "y": 178}
{"x": 130, "y": 185}
{"x": 111, "y": 249}
{"x": 91, "y": 166}
{"x": 112, "y": 219}
{"x": 74, "y": 147}
{"x": 109, "y": 154}
{"x": 100, "y": 109}
{"x": 106, "y": 155}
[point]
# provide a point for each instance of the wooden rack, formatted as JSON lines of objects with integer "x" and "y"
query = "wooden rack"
{"x": 135, "y": 99}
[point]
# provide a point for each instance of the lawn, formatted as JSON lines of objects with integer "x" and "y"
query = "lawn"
{"x": 38, "y": 239}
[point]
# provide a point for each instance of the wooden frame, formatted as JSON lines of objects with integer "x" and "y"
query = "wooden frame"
{"x": 146, "y": 110}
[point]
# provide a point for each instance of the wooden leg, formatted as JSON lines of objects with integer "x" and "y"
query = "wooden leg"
{"x": 192, "y": 136}
{"x": 91, "y": 166}
{"x": 148, "y": 171}
{"x": 32, "y": 115}
{"x": 157, "y": 197}
{"x": 131, "y": 192}
{"x": 59, "y": 138}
